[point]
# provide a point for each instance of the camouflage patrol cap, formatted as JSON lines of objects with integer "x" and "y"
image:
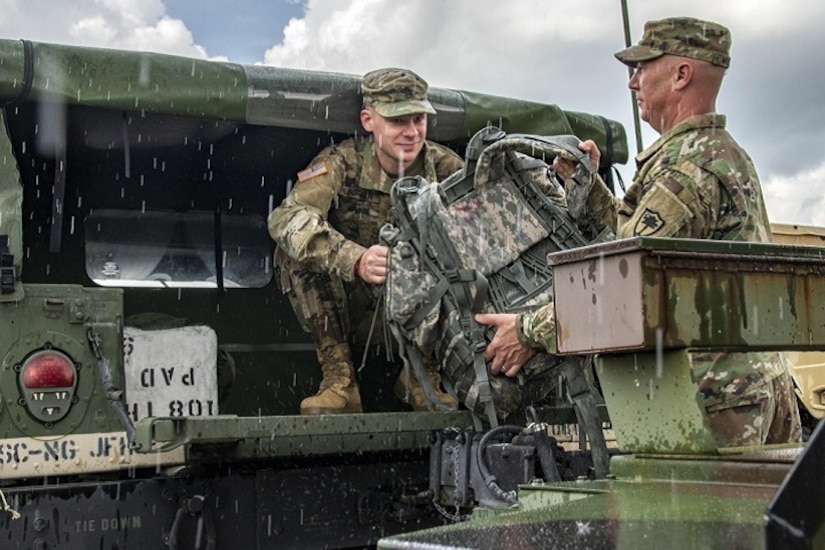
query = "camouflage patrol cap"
{"x": 395, "y": 92}
{"x": 683, "y": 36}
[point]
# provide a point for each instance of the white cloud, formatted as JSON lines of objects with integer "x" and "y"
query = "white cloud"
{"x": 554, "y": 51}
{"x": 796, "y": 198}
{"x": 127, "y": 24}
{"x": 560, "y": 51}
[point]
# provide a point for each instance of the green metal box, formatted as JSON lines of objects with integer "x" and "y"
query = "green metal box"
{"x": 647, "y": 294}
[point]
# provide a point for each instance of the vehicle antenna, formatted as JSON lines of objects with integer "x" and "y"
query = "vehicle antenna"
{"x": 627, "y": 39}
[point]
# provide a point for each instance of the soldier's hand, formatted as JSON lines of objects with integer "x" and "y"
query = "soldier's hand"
{"x": 565, "y": 167}
{"x": 505, "y": 351}
{"x": 372, "y": 265}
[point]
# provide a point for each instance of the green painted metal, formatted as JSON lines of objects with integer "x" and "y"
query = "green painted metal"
{"x": 653, "y": 403}
{"x": 289, "y": 436}
{"x": 649, "y": 503}
{"x": 648, "y": 294}
{"x": 761, "y": 466}
{"x": 646, "y": 305}
{"x": 59, "y": 317}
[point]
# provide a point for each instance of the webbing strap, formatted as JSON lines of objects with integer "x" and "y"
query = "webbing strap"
{"x": 115, "y": 396}
{"x": 581, "y": 393}
{"x": 459, "y": 289}
{"x": 411, "y": 357}
{"x": 565, "y": 146}
{"x": 561, "y": 227}
{"x": 454, "y": 282}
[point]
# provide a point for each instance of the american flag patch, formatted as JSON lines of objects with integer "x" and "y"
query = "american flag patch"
{"x": 312, "y": 171}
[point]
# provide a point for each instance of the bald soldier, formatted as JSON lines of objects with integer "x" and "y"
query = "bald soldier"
{"x": 326, "y": 229}
{"x": 695, "y": 181}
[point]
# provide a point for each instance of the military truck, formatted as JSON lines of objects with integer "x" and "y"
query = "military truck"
{"x": 151, "y": 369}
{"x": 642, "y": 305}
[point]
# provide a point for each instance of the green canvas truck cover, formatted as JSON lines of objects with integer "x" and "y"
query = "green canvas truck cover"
{"x": 63, "y": 75}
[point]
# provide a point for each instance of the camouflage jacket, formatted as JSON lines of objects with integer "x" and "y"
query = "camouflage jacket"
{"x": 695, "y": 181}
{"x": 341, "y": 200}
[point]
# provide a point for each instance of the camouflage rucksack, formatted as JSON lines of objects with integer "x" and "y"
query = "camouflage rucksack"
{"x": 478, "y": 242}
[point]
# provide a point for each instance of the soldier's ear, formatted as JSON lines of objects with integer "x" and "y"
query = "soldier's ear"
{"x": 683, "y": 75}
{"x": 366, "y": 119}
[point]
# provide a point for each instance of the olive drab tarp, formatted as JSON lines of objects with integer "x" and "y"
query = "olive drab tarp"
{"x": 526, "y": 117}
{"x": 256, "y": 94}
{"x": 57, "y": 77}
{"x": 121, "y": 79}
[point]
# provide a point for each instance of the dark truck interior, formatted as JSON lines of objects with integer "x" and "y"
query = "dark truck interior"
{"x": 147, "y": 202}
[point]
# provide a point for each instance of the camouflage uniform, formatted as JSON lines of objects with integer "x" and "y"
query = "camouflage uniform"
{"x": 327, "y": 222}
{"x": 329, "y": 219}
{"x": 695, "y": 181}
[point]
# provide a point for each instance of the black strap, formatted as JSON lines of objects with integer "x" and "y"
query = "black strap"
{"x": 454, "y": 282}
{"x": 28, "y": 74}
{"x": 412, "y": 358}
{"x": 607, "y": 173}
{"x": 466, "y": 305}
{"x": 115, "y": 396}
{"x": 582, "y": 394}
{"x": 59, "y": 197}
{"x": 218, "y": 246}
{"x": 608, "y": 148}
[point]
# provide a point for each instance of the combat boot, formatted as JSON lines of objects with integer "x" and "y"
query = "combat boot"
{"x": 338, "y": 392}
{"x": 409, "y": 390}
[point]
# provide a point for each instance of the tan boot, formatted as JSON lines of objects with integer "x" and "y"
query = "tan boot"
{"x": 413, "y": 393}
{"x": 338, "y": 392}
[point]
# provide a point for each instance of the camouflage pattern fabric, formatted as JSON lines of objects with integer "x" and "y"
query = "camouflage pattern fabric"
{"x": 696, "y": 182}
{"x": 491, "y": 227}
{"x": 477, "y": 241}
{"x": 540, "y": 177}
{"x": 683, "y": 36}
{"x": 748, "y": 407}
{"x": 331, "y": 216}
{"x": 537, "y": 329}
{"x": 395, "y": 92}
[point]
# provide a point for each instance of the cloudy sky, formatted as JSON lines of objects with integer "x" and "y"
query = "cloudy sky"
{"x": 553, "y": 51}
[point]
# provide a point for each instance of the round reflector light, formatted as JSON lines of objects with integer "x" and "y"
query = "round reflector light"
{"x": 48, "y": 369}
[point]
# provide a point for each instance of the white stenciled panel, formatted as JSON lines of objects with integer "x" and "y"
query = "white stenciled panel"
{"x": 171, "y": 372}
{"x": 77, "y": 454}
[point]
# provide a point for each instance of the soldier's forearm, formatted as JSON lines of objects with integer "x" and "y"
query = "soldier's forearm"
{"x": 537, "y": 329}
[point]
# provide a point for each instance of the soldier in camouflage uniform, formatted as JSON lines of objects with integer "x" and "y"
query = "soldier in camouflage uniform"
{"x": 695, "y": 181}
{"x": 326, "y": 229}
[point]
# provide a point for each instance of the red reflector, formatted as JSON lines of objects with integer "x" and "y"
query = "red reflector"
{"x": 48, "y": 370}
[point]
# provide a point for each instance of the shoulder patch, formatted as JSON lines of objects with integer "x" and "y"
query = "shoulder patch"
{"x": 648, "y": 224}
{"x": 314, "y": 170}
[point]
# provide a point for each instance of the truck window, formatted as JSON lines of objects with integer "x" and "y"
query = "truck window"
{"x": 130, "y": 248}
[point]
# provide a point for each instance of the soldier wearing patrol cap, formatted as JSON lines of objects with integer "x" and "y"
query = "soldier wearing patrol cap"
{"x": 695, "y": 181}
{"x": 326, "y": 230}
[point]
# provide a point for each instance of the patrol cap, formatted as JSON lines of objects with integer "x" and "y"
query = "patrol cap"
{"x": 395, "y": 92}
{"x": 684, "y": 36}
